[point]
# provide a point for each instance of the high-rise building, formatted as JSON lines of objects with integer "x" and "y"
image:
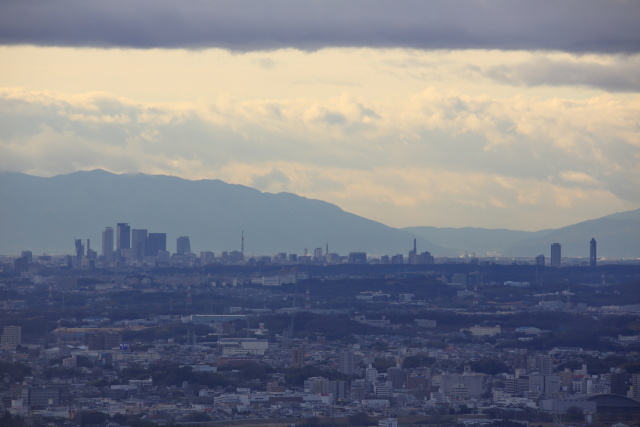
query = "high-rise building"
{"x": 556, "y": 254}
{"x": 618, "y": 382}
{"x": 397, "y": 377}
{"x": 107, "y": 243}
{"x": 635, "y": 386}
{"x": 540, "y": 260}
{"x": 79, "y": 249}
{"x": 123, "y": 236}
{"x": 297, "y": 357}
{"x": 346, "y": 363}
{"x": 543, "y": 364}
{"x": 11, "y": 337}
{"x": 357, "y": 257}
{"x": 156, "y": 242}
{"x": 183, "y": 246}
{"x": 138, "y": 242}
{"x": 592, "y": 252}
{"x": 371, "y": 374}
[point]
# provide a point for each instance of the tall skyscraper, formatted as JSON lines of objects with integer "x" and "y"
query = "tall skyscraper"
{"x": 183, "y": 246}
{"x": 297, "y": 357}
{"x": 346, "y": 362}
{"x": 123, "y": 236}
{"x": 156, "y": 242}
{"x": 107, "y": 243}
{"x": 556, "y": 254}
{"x": 138, "y": 242}
{"x": 79, "y": 249}
{"x": 592, "y": 252}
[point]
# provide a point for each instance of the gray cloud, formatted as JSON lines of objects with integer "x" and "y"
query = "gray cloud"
{"x": 247, "y": 25}
{"x": 619, "y": 76}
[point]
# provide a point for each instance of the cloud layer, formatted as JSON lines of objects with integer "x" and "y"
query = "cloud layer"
{"x": 248, "y": 25}
{"x": 434, "y": 158}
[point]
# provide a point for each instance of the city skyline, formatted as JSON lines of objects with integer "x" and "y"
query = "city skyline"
{"x": 444, "y": 114}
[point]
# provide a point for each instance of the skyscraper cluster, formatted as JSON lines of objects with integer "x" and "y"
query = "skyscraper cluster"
{"x": 556, "y": 254}
{"x": 137, "y": 243}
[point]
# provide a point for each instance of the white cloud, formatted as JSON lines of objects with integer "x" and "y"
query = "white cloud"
{"x": 405, "y": 162}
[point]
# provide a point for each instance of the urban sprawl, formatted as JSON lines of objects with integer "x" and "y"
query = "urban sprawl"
{"x": 137, "y": 336}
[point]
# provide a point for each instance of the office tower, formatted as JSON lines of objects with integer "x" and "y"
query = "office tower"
{"x": 91, "y": 254}
{"x": 107, "y": 243}
{"x": 556, "y": 254}
{"x": 397, "y": 377}
{"x": 346, "y": 363}
{"x": 618, "y": 382}
{"x": 28, "y": 255}
{"x": 183, "y": 246}
{"x": 338, "y": 389}
{"x": 317, "y": 253}
{"x": 543, "y": 364}
{"x": 592, "y": 252}
{"x": 635, "y": 386}
{"x": 138, "y": 242}
{"x": 207, "y": 257}
{"x": 357, "y": 257}
{"x": 540, "y": 260}
{"x": 79, "y": 249}
{"x": 11, "y": 337}
{"x": 156, "y": 242}
{"x": 123, "y": 236}
{"x": 297, "y": 357}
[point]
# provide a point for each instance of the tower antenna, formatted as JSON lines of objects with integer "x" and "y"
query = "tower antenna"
{"x": 242, "y": 244}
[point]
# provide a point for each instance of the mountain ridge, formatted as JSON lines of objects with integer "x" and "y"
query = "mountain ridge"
{"x": 46, "y": 214}
{"x": 211, "y": 212}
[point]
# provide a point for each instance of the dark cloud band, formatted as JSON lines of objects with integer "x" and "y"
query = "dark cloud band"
{"x": 248, "y": 25}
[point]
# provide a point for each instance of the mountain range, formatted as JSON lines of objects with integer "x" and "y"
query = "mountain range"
{"x": 47, "y": 214}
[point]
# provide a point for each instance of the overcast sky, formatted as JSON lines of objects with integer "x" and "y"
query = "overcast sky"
{"x": 499, "y": 114}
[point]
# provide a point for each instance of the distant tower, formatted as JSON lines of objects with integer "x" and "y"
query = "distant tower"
{"x": 297, "y": 357}
{"x": 242, "y": 244}
{"x": 139, "y": 242}
{"x": 79, "y": 249}
{"x": 592, "y": 253}
{"x": 107, "y": 243}
{"x": 183, "y": 246}
{"x": 307, "y": 304}
{"x": 556, "y": 254}
{"x": 346, "y": 363}
{"x": 123, "y": 236}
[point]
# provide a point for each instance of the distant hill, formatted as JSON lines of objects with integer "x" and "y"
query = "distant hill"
{"x": 618, "y": 236}
{"x": 46, "y": 214}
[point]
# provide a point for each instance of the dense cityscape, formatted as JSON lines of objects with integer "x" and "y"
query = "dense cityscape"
{"x": 138, "y": 336}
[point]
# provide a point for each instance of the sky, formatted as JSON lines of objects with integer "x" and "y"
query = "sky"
{"x": 452, "y": 113}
